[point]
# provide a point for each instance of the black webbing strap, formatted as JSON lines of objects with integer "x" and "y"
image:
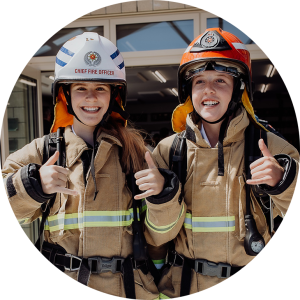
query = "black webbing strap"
{"x": 128, "y": 278}
{"x": 220, "y": 147}
{"x": 201, "y": 266}
{"x": 84, "y": 272}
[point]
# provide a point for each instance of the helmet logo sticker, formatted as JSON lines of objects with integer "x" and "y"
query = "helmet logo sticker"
{"x": 92, "y": 59}
{"x": 210, "y": 41}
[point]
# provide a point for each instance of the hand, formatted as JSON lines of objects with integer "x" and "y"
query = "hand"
{"x": 54, "y": 178}
{"x": 149, "y": 180}
{"x": 265, "y": 170}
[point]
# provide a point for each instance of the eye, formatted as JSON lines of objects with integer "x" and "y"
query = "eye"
{"x": 221, "y": 80}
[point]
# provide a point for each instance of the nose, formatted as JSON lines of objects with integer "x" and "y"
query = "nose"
{"x": 209, "y": 88}
{"x": 91, "y": 95}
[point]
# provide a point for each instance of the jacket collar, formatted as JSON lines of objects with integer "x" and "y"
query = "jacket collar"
{"x": 234, "y": 133}
{"x": 75, "y": 145}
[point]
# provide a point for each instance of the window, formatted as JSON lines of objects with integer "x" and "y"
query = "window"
{"x": 21, "y": 113}
{"x": 218, "y": 22}
{"x": 155, "y": 36}
{"x": 52, "y": 46}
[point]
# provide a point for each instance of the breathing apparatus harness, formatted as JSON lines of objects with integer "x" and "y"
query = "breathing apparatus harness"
{"x": 64, "y": 261}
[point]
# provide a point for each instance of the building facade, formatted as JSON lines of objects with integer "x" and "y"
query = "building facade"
{"x": 152, "y": 36}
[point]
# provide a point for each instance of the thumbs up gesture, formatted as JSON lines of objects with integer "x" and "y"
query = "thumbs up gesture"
{"x": 265, "y": 170}
{"x": 149, "y": 180}
{"x": 54, "y": 178}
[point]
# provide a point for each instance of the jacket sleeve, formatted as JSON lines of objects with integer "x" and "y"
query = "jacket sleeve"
{"x": 288, "y": 157}
{"x": 22, "y": 181}
{"x": 165, "y": 212}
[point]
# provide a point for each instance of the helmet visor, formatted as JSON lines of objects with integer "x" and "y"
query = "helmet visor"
{"x": 210, "y": 65}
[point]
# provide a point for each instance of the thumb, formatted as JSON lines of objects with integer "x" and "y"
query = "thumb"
{"x": 263, "y": 148}
{"x": 149, "y": 161}
{"x": 52, "y": 160}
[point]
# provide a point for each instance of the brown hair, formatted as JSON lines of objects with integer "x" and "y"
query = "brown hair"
{"x": 133, "y": 150}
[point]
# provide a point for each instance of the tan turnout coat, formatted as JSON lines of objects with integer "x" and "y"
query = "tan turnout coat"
{"x": 79, "y": 224}
{"x": 213, "y": 226}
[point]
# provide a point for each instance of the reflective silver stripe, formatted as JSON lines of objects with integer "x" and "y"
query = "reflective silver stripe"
{"x": 209, "y": 224}
{"x": 239, "y": 46}
{"x": 89, "y": 219}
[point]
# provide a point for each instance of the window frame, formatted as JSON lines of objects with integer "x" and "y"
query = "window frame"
{"x": 255, "y": 51}
{"x": 153, "y": 57}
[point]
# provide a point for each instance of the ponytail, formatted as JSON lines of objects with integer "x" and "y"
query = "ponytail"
{"x": 133, "y": 149}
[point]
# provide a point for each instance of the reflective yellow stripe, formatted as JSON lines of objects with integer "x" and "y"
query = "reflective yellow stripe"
{"x": 209, "y": 224}
{"x": 89, "y": 219}
{"x": 158, "y": 263}
{"x": 162, "y": 296}
{"x": 24, "y": 221}
{"x": 164, "y": 228}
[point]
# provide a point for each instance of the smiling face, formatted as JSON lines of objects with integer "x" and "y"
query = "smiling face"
{"x": 211, "y": 94}
{"x": 90, "y": 101}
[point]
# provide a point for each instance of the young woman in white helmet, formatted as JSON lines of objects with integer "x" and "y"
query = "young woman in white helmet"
{"x": 86, "y": 202}
{"x": 218, "y": 225}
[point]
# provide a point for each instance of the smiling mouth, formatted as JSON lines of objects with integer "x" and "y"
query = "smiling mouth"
{"x": 210, "y": 103}
{"x": 90, "y": 109}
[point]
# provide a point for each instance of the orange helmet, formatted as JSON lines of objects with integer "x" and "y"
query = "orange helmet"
{"x": 218, "y": 46}
{"x": 217, "y": 50}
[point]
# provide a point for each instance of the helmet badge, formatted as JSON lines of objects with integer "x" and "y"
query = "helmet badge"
{"x": 210, "y": 41}
{"x": 92, "y": 59}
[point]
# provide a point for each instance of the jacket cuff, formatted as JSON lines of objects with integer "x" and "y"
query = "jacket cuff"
{"x": 290, "y": 169}
{"x": 170, "y": 188}
{"x": 31, "y": 180}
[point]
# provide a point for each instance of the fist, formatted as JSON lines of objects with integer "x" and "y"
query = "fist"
{"x": 149, "y": 180}
{"x": 54, "y": 178}
{"x": 265, "y": 170}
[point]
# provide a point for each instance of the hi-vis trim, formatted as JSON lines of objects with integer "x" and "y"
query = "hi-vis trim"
{"x": 115, "y": 54}
{"x": 162, "y": 229}
{"x": 163, "y": 296}
{"x": 239, "y": 46}
{"x": 89, "y": 219}
{"x": 59, "y": 220}
{"x": 60, "y": 62}
{"x": 66, "y": 51}
{"x": 158, "y": 263}
{"x": 209, "y": 224}
{"x": 118, "y": 59}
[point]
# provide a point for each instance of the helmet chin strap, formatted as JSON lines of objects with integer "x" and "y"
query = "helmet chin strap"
{"x": 113, "y": 106}
{"x": 232, "y": 106}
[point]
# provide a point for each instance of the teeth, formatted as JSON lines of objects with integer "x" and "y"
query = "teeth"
{"x": 210, "y": 103}
{"x": 87, "y": 108}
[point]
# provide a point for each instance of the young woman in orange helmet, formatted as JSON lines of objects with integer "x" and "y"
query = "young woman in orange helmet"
{"x": 215, "y": 225}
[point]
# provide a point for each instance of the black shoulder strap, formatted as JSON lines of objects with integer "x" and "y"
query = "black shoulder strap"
{"x": 178, "y": 157}
{"x": 50, "y": 146}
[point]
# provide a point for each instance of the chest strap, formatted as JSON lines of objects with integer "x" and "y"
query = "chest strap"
{"x": 201, "y": 266}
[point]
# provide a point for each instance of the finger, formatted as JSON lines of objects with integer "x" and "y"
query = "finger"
{"x": 64, "y": 190}
{"x": 143, "y": 195}
{"x": 258, "y": 175}
{"x": 258, "y": 168}
{"x": 52, "y": 160}
{"x": 264, "y": 149}
{"x": 150, "y": 161}
{"x": 62, "y": 170}
{"x": 142, "y": 173}
{"x": 257, "y": 163}
{"x": 62, "y": 177}
{"x": 263, "y": 180}
{"x": 145, "y": 186}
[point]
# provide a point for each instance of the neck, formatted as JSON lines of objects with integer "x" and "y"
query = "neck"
{"x": 84, "y": 131}
{"x": 213, "y": 130}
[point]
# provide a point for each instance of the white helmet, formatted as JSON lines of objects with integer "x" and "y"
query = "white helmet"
{"x": 91, "y": 57}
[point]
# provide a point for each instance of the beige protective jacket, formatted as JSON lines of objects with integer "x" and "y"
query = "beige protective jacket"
{"x": 82, "y": 226}
{"x": 213, "y": 226}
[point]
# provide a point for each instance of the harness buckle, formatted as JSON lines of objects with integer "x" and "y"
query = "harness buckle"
{"x": 71, "y": 269}
{"x": 208, "y": 268}
{"x": 99, "y": 264}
